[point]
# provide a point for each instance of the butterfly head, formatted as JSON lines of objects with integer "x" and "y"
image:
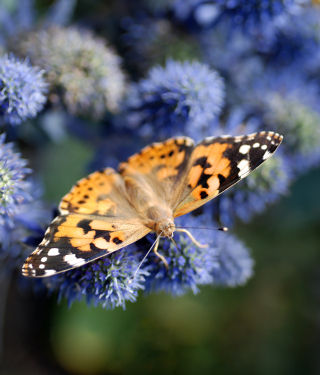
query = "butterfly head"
{"x": 165, "y": 228}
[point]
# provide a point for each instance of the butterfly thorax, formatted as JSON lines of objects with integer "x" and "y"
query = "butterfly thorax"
{"x": 154, "y": 212}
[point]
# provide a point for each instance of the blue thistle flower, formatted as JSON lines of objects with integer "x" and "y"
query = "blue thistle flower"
{"x": 179, "y": 98}
{"x": 81, "y": 69}
{"x": 191, "y": 266}
{"x": 109, "y": 282}
{"x": 151, "y": 40}
{"x": 22, "y": 90}
{"x": 253, "y": 16}
{"x": 20, "y": 236}
{"x": 291, "y": 107}
{"x": 294, "y": 41}
{"x": 22, "y": 213}
{"x": 234, "y": 264}
{"x": 18, "y": 16}
{"x": 14, "y": 188}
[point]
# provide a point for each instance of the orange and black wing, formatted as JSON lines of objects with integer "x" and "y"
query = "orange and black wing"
{"x": 95, "y": 220}
{"x": 218, "y": 163}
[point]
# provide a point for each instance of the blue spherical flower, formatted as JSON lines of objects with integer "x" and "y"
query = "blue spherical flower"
{"x": 254, "y": 16}
{"x": 22, "y": 213}
{"x": 22, "y": 90}
{"x": 14, "y": 188}
{"x": 190, "y": 266}
{"x": 234, "y": 264}
{"x": 20, "y": 236}
{"x": 295, "y": 40}
{"x": 180, "y": 98}
{"x": 148, "y": 41}
{"x": 289, "y": 105}
{"x": 111, "y": 281}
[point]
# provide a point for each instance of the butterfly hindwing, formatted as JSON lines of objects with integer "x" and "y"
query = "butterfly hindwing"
{"x": 220, "y": 162}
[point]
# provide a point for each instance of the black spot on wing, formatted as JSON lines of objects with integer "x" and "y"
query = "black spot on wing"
{"x": 117, "y": 241}
{"x": 84, "y": 225}
{"x": 203, "y": 194}
{"x": 105, "y": 234}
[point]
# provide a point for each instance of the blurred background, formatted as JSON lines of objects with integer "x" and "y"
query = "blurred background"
{"x": 264, "y": 71}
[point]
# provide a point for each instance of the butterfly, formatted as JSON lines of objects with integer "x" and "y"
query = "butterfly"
{"x": 111, "y": 209}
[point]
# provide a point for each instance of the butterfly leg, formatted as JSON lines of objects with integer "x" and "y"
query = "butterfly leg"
{"x": 155, "y": 250}
{"x": 192, "y": 238}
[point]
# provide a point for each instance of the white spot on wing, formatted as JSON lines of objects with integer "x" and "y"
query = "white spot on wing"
{"x": 44, "y": 259}
{"x": 72, "y": 260}
{"x": 243, "y": 166}
{"x": 264, "y": 147}
{"x": 266, "y": 155}
{"x": 41, "y": 266}
{"x": 255, "y": 145}
{"x": 49, "y": 272}
{"x": 244, "y": 149}
{"x": 53, "y": 252}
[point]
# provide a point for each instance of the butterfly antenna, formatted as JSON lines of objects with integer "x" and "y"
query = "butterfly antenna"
{"x": 155, "y": 243}
{"x": 222, "y": 229}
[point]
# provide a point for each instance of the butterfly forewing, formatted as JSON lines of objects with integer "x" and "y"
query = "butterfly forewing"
{"x": 220, "y": 162}
{"x": 159, "y": 168}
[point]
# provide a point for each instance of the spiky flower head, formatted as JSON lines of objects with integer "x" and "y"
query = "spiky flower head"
{"x": 80, "y": 68}
{"x": 14, "y": 188}
{"x": 22, "y": 90}
{"x": 110, "y": 281}
{"x": 151, "y": 40}
{"x": 234, "y": 264}
{"x": 250, "y": 15}
{"x": 24, "y": 231}
{"x": 223, "y": 260}
{"x": 291, "y": 107}
{"x": 300, "y": 123}
{"x": 189, "y": 266}
{"x": 182, "y": 97}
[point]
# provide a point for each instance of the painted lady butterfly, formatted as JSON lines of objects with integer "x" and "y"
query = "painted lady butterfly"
{"x": 109, "y": 210}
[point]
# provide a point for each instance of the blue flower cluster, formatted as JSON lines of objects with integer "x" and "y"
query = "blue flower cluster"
{"x": 22, "y": 90}
{"x": 181, "y": 98}
{"x": 22, "y": 213}
{"x": 194, "y": 67}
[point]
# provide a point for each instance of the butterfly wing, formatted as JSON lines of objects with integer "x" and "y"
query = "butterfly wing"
{"x": 220, "y": 162}
{"x": 96, "y": 219}
{"x": 158, "y": 169}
